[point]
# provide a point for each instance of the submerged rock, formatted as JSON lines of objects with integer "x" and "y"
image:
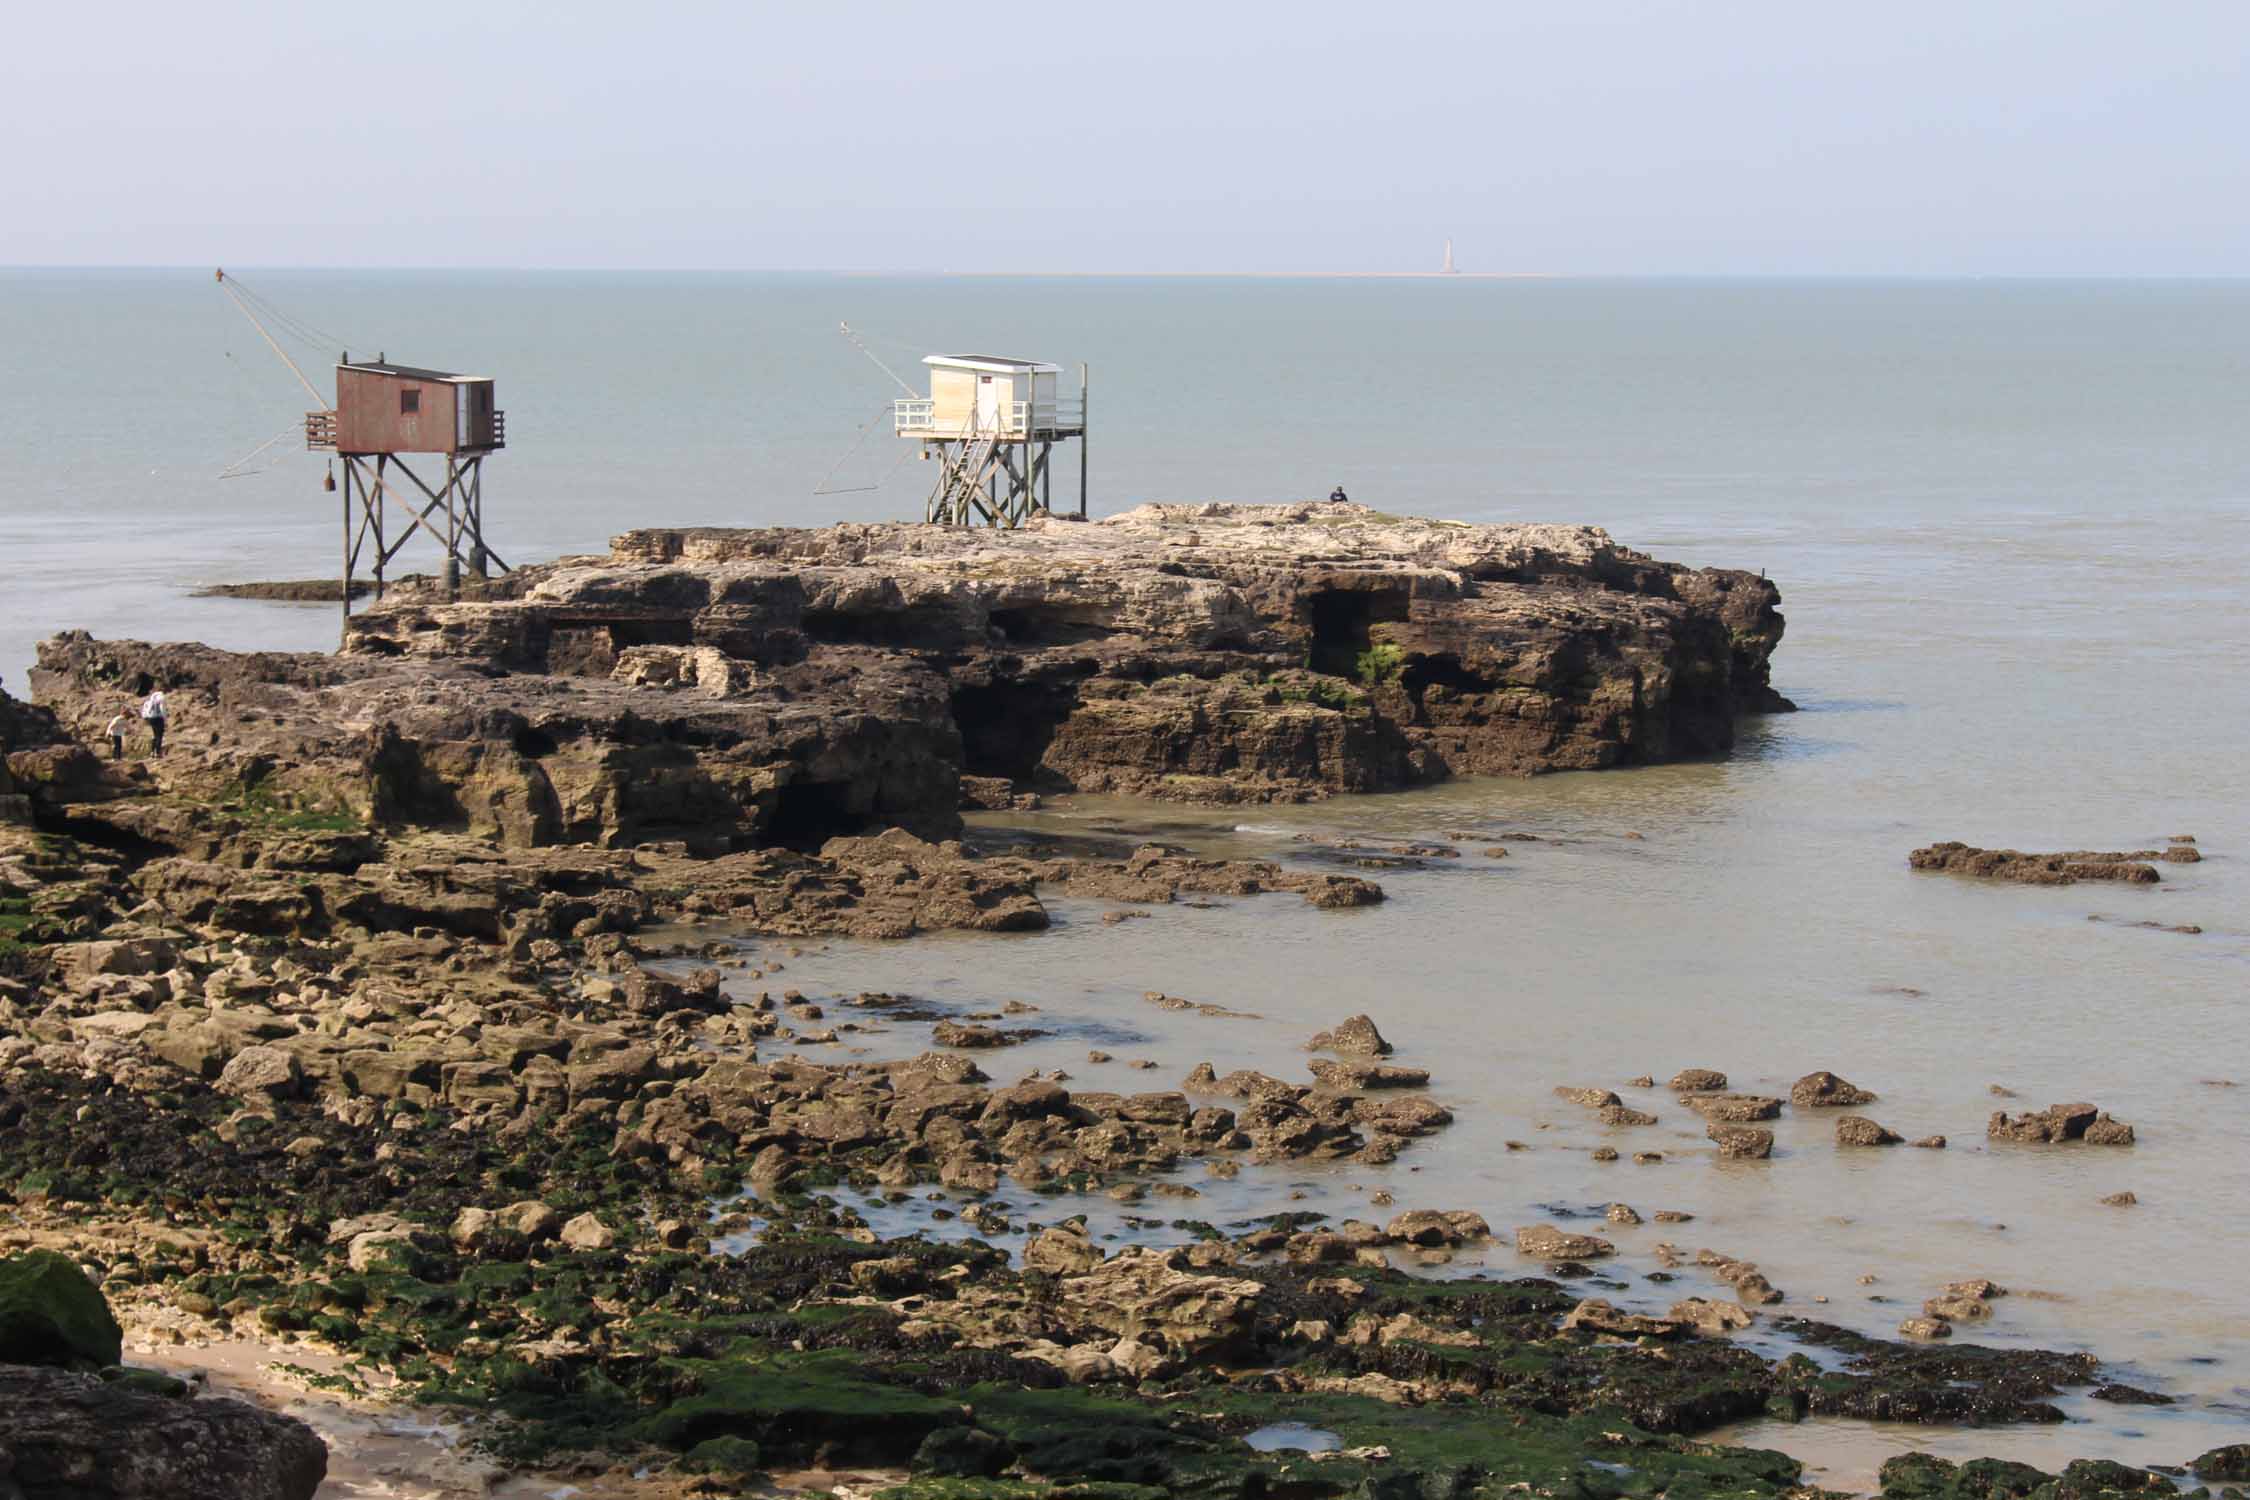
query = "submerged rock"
{"x": 1711, "y": 1316}
{"x": 1858, "y": 1130}
{"x": 1357, "y": 1034}
{"x": 1734, "y": 1108}
{"x": 2060, "y": 1123}
{"x": 1698, "y": 1081}
{"x": 1749, "y": 1142}
{"x": 1824, "y": 1090}
{"x": 1362, "y": 1075}
{"x": 1955, "y": 858}
{"x": 1549, "y": 1243}
{"x": 2227, "y": 1465}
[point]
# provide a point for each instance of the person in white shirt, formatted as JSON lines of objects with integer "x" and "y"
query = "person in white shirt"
{"x": 119, "y": 722}
{"x": 153, "y": 714}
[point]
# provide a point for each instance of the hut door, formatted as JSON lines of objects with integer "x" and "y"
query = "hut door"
{"x": 988, "y": 404}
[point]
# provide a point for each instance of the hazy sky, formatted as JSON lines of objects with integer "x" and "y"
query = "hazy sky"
{"x": 1651, "y": 136}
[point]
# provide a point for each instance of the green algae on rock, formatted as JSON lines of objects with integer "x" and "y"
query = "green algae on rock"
{"x": 50, "y": 1314}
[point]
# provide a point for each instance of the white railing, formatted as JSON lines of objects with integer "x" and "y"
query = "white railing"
{"x": 918, "y": 414}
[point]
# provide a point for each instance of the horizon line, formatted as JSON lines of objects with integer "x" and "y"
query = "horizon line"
{"x": 1209, "y": 275}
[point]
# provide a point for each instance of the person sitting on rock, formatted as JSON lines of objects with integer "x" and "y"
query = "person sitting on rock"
{"x": 154, "y": 715}
{"x": 119, "y": 722}
{"x": 1337, "y": 496}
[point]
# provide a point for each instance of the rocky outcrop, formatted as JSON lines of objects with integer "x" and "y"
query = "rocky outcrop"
{"x": 736, "y": 689}
{"x": 75, "y": 1437}
{"x": 2132, "y": 867}
{"x": 123, "y": 1435}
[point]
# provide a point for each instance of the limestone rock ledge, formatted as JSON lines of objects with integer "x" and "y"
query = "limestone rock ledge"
{"x": 743, "y": 688}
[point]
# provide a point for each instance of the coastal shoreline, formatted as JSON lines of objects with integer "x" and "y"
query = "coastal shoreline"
{"x": 405, "y": 1057}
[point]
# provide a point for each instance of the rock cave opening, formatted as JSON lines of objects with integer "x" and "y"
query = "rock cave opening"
{"x": 1042, "y": 627}
{"x": 578, "y": 646}
{"x": 1341, "y": 622}
{"x": 529, "y": 740}
{"x": 1007, "y": 726}
{"x": 882, "y": 627}
{"x": 807, "y": 814}
{"x": 652, "y": 630}
{"x": 135, "y": 849}
{"x": 1442, "y": 671}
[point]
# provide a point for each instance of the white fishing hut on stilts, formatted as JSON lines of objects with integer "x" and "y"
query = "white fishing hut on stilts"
{"x": 992, "y": 424}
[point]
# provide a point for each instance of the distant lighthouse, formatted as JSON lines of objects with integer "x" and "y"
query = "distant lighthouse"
{"x": 1448, "y": 269}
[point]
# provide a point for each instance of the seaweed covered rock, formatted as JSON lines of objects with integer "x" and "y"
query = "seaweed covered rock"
{"x": 50, "y": 1314}
{"x": 1968, "y": 1385}
{"x": 1922, "y": 1476}
{"x": 2229, "y": 1465}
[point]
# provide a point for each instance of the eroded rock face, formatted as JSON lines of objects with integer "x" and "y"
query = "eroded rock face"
{"x": 74, "y": 1436}
{"x": 1148, "y": 1296}
{"x": 739, "y": 689}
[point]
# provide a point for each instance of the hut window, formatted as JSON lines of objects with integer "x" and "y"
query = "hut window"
{"x": 409, "y": 401}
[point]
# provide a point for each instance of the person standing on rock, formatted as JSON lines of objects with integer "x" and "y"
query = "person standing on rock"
{"x": 119, "y": 722}
{"x": 154, "y": 715}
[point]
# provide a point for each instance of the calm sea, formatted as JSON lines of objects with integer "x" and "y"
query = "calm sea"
{"x": 2009, "y": 520}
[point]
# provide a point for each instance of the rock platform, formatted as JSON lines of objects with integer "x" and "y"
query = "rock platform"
{"x": 735, "y": 689}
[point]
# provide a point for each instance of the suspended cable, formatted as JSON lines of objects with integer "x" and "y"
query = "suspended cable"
{"x": 296, "y": 327}
{"x": 865, "y": 428}
{"x": 228, "y": 287}
{"x": 861, "y": 345}
{"x": 236, "y": 470}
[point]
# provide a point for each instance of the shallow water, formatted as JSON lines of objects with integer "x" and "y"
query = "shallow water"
{"x": 1590, "y": 957}
{"x": 2008, "y": 521}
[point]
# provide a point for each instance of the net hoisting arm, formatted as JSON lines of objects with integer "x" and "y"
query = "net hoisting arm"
{"x": 228, "y": 287}
{"x": 861, "y": 345}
